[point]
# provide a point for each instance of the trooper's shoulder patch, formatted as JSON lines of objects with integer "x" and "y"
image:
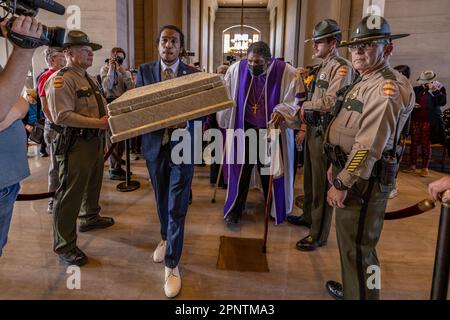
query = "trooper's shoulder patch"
{"x": 357, "y": 159}
{"x": 389, "y": 89}
{"x": 342, "y": 71}
{"x": 58, "y": 82}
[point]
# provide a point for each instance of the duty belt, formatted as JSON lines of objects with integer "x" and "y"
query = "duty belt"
{"x": 86, "y": 133}
{"x": 384, "y": 170}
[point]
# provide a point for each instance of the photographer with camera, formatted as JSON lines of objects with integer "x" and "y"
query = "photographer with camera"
{"x": 115, "y": 81}
{"x": 14, "y": 161}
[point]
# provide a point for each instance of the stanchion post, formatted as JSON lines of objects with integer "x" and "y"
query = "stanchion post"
{"x": 439, "y": 289}
{"x": 128, "y": 185}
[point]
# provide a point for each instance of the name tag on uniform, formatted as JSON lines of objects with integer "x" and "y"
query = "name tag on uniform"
{"x": 323, "y": 84}
{"x": 353, "y": 105}
{"x": 85, "y": 92}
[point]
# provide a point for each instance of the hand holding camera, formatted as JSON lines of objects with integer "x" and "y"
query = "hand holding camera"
{"x": 23, "y": 30}
{"x": 25, "y": 26}
{"x": 116, "y": 63}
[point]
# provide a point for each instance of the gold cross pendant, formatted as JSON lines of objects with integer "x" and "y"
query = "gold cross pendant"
{"x": 255, "y": 108}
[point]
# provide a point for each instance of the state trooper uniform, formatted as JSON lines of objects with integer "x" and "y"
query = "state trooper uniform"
{"x": 362, "y": 144}
{"x": 76, "y": 107}
{"x": 331, "y": 75}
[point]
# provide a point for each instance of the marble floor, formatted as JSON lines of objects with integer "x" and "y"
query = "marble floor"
{"x": 120, "y": 258}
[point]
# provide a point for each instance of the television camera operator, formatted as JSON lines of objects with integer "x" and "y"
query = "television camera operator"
{"x": 13, "y": 139}
{"x": 25, "y": 33}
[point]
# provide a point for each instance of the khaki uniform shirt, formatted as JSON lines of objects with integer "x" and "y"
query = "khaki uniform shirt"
{"x": 71, "y": 99}
{"x": 334, "y": 73}
{"x": 366, "y": 125}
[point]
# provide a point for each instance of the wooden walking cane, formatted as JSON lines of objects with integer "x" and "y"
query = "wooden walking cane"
{"x": 268, "y": 202}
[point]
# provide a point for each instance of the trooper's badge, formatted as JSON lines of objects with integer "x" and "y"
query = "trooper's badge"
{"x": 354, "y": 94}
{"x": 58, "y": 83}
{"x": 322, "y": 76}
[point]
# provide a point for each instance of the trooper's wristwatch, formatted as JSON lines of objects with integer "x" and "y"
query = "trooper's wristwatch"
{"x": 339, "y": 185}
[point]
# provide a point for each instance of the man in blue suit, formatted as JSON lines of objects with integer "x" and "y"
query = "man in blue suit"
{"x": 171, "y": 182}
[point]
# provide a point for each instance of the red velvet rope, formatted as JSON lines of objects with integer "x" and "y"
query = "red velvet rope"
{"x": 41, "y": 196}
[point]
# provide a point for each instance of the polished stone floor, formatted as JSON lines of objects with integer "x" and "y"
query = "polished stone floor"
{"x": 121, "y": 267}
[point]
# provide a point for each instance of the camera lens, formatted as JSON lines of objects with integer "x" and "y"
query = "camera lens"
{"x": 119, "y": 60}
{"x": 54, "y": 36}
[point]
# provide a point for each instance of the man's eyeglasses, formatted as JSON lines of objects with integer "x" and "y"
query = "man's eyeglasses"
{"x": 366, "y": 46}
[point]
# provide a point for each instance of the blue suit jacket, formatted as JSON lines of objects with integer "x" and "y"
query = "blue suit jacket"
{"x": 150, "y": 73}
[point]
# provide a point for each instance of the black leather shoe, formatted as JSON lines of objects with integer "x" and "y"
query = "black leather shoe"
{"x": 307, "y": 244}
{"x": 334, "y": 289}
{"x": 118, "y": 174}
{"x": 74, "y": 257}
{"x": 298, "y": 221}
{"x": 100, "y": 223}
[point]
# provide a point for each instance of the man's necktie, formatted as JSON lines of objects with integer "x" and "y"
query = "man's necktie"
{"x": 98, "y": 97}
{"x": 167, "y": 75}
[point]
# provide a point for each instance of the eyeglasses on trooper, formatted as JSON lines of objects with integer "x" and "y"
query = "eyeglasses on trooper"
{"x": 366, "y": 46}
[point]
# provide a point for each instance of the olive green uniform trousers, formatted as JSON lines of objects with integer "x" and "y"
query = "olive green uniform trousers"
{"x": 80, "y": 174}
{"x": 315, "y": 207}
{"x": 358, "y": 229}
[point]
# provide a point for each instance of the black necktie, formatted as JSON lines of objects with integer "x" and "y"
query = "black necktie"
{"x": 98, "y": 97}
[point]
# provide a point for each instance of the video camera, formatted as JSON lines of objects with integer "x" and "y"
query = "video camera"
{"x": 51, "y": 36}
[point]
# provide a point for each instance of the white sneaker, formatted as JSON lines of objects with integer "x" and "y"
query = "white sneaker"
{"x": 172, "y": 282}
{"x": 134, "y": 157}
{"x": 393, "y": 193}
{"x": 160, "y": 251}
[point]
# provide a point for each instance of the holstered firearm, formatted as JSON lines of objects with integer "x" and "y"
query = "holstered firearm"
{"x": 335, "y": 155}
{"x": 386, "y": 169}
{"x": 65, "y": 140}
{"x": 389, "y": 163}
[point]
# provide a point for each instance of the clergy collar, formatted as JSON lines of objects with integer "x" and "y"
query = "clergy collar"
{"x": 174, "y": 66}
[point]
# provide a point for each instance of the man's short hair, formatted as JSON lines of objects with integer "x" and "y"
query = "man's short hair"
{"x": 117, "y": 50}
{"x": 338, "y": 38}
{"x": 404, "y": 70}
{"x": 50, "y": 52}
{"x": 174, "y": 28}
{"x": 260, "y": 48}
